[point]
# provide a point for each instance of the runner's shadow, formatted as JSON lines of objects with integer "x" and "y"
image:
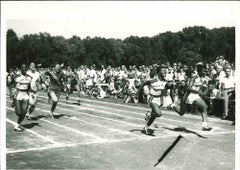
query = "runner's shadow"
{"x": 30, "y": 125}
{"x": 38, "y": 117}
{"x": 150, "y": 131}
{"x": 75, "y": 103}
{"x": 61, "y": 115}
{"x": 183, "y": 129}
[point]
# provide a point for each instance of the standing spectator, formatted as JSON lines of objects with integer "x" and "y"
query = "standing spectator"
{"x": 228, "y": 89}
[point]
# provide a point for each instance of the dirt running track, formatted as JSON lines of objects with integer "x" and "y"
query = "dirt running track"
{"x": 103, "y": 135}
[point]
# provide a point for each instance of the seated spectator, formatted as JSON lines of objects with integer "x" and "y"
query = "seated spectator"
{"x": 131, "y": 90}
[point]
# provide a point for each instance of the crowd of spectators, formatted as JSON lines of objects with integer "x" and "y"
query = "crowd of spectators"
{"x": 127, "y": 83}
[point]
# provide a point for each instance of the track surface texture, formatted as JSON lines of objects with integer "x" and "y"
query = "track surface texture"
{"x": 104, "y": 135}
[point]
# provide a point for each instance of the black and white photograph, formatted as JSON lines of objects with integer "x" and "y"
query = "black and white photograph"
{"x": 117, "y": 85}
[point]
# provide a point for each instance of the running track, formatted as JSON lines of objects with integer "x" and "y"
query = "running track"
{"x": 103, "y": 135}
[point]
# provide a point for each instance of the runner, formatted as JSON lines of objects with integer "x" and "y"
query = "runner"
{"x": 156, "y": 85}
{"x": 54, "y": 90}
{"x": 76, "y": 84}
{"x": 21, "y": 96}
{"x": 193, "y": 97}
{"x": 33, "y": 94}
{"x": 68, "y": 77}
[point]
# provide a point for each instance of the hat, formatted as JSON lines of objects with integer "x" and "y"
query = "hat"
{"x": 199, "y": 64}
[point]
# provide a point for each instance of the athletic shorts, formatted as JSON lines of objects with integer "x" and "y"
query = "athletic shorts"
{"x": 55, "y": 95}
{"x": 21, "y": 95}
{"x": 33, "y": 98}
{"x": 155, "y": 100}
{"x": 192, "y": 97}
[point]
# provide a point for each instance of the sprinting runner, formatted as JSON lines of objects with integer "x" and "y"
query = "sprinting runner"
{"x": 55, "y": 86}
{"x": 68, "y": 77}
{"x": 155, "y": 98}
{"x": 77, "y": 84}
{"x": 33, "y": 94}
{"x": 193, "y": 96}
{"x": 72, "y": 83}
{"x": 21, "y": 96}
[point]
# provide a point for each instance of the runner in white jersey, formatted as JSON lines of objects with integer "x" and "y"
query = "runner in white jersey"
{"x": 33, "y": 93}
{"x": 156, "y": 86}
{"x": 193, "y": 96}
{"x": 21, "y": 96}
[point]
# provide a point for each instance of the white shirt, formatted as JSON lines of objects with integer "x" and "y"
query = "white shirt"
{"x": 35, "y": 78}
{"x": 228, "y": 82}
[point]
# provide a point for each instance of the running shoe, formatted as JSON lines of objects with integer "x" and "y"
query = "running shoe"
{"x": 145, "y": 130}
{"x": 51, "y": 115}
{"x": 18, "y": 129}
{"x": 207, "y": 128}
{"x": 29, "y": 117}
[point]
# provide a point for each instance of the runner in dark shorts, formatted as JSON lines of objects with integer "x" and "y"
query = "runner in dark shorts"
{"x": 56, "y": 85}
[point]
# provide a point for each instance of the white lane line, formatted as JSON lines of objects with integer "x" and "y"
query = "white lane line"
{"x": 129, "y": 117}
{"x": 120, "y": 115}
{"x": 35, "y": 133}
{"x": 217, "y": 120}
{"x": 144, "y": 138}
{"x": 95, "y": 124}
{"x": 168, "y": 125}
{"x": 37, "y": 149}
{"x": 70, "y": 129}
{"x": 210, "y": 119}
{"x": 132, "y": 124}
{"x": 111, "y": 129}
{"x": 100, "y": 117}
{"x": 106, "y": 103}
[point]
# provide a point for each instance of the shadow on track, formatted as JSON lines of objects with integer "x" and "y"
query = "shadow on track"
{"x": 150, "y": 131}
{"x": 61, "y": 115}
{"x": 183, "y": 129}
{"x": 30, "y": 125}
{"x": 38, "y": 117}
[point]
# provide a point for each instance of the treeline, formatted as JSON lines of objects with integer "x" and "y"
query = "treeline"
{"x": 188, "y": 46}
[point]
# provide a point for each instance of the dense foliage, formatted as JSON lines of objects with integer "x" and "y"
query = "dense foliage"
{"x": 186, "y": 46}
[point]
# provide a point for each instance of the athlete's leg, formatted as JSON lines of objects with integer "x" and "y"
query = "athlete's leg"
{"x": 21, "y": 110}
{"x": 77, "y": 87}
{"x": 156, "y": 112}
{"x": 179, "y": 106}
{"x": 54, "y": 98}
{"x": 24, "y": 106}
{"x": 18, "y": 108}
{"x": 32, "y": 103}
{"x": 68, "y": 86}
{"x": 200, "y": 107}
